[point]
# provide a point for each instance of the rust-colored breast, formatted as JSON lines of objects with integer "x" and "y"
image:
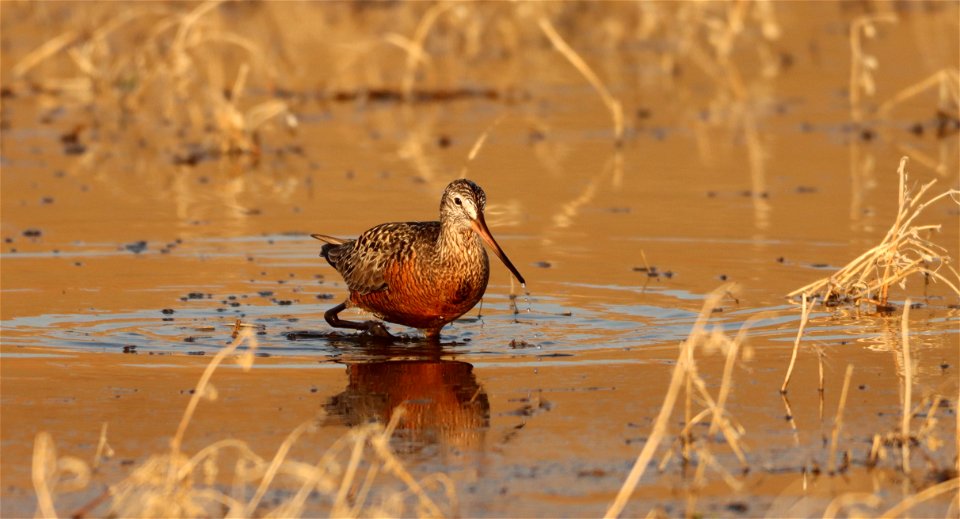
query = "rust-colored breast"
{"x": 425, "y": 295}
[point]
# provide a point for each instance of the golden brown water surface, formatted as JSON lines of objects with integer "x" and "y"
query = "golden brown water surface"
{"x": 124, "y": 268}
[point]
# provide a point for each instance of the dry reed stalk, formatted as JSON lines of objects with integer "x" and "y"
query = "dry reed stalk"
{"x": 838, "y": 421}
{"x": 251, "y": 506}
{"x": 614, "y": 105}
{"x": 862, "y": 65}
{"x": 414, "y": 48}
{"x": 656, "y": 436}
{"x": 685, "y": 375}
{"x": 924, "y": 495}
{"x": 804, "y": 317}
{"x": 204, "y": 389}
{"x": 907, "y": 413}
{"x": 168, "y": 65}
{"x": 789, "y": 416}
{"x": 103, "y": 448}
{"x": 901, "y": 253}
{"x": 478, "y": 144}
{"x": 48, "y": 472}
{"x": 820, "y": 370}
{"x": 50, "y": 48}
{"x": 946, "y": 81}
{"x": 847, "y": 500}
{"x": 43, "y": 454}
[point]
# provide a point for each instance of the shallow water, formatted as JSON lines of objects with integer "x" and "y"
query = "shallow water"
{"x": 538, "y": 401}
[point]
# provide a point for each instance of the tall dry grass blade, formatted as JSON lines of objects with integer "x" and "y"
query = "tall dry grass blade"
{"x": 393, "y": 464}
{"x": 614, "y": 105}
{"x": 103, "y": 448}
{"x": 656, "y": 436}
{"x": 201, "y": 388}
{"x": 907, "y": 388}
{"x": 924, "y": 495}
{"x": 862, "y": 65}
{"x": 340, "y": 504}
{"x": 844, "y": 501}
{"x": 478, "y": 144}
{"x": 820, "y": 370}
{"x": 41, "y": 53}
{"x": 677, "y": 379}
{"x": 945, "y": 81}
{"x": 838, "y": 421}
{"x": 804, "y": 317}
{"x": 43, "y": 472}
{"x": 251, "y": 506}
{"x": 414, "y": 48}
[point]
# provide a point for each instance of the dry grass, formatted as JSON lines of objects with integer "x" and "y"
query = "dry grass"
{"x": 863, "y": 65}
{"x": 359, "y": 475}
{"x": 804, "y": 318}
{"x": 612, "y": 104}
{"x": 158, "y": 61}
{"x": 687, "y": 379}
{"x": 905, "y": 251}
{"x": 901, "y": 439}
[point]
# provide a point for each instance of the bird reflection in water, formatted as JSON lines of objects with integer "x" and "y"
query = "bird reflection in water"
{"x": 444, "y": 405}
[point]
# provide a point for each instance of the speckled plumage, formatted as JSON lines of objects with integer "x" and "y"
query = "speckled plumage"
{"x": 419, "y": 274}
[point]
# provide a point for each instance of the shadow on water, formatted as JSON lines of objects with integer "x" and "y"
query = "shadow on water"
{"x": 443, "y": 402}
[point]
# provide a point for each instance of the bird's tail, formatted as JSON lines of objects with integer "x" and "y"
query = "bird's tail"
{"x": 330, "y": 247}
{"x": 329, "y": 239}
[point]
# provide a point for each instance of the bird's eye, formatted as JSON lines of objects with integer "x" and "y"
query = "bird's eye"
{"x": 457, "y": 201}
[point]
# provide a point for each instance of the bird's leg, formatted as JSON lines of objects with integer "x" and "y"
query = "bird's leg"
{"x": 373, "y": 328}
{"x": 433, "y": 335}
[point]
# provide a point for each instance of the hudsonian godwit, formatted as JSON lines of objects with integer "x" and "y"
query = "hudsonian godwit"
{"x": 418, "y": 274}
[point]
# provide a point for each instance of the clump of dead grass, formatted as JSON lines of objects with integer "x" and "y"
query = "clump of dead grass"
{"x": 687, "y": 379}
{"x": 359, "y": 475}
{"x": 162, "y": 60}
{"x": 905, "y": 251}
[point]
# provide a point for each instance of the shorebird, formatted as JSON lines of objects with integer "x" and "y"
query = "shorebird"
{"x": 418, "y": 274}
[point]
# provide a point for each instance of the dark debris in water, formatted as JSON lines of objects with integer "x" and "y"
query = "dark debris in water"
{"x": 653, "y": 272}
{"x": 417, "y": 96}
{"x": 71, "y": 141}
{"x": 136, "y": 247}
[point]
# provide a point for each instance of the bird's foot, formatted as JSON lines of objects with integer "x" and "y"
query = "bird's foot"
{"x": 378, "y": 330}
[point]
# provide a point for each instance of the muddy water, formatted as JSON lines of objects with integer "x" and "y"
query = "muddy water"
{"x": 122, "y": 273}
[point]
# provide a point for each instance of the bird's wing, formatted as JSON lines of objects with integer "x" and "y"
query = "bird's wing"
{"x": 364, "y": 262}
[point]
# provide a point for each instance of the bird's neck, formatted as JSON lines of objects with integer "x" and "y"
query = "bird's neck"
{"x": 456, "y": 240}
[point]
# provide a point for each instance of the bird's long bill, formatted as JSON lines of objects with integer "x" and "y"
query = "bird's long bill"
{"x": 480, "y": 227}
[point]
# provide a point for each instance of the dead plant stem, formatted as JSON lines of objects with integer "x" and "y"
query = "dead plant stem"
{"x": 907, "y": 388}
{"x": 838, "y": 421}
